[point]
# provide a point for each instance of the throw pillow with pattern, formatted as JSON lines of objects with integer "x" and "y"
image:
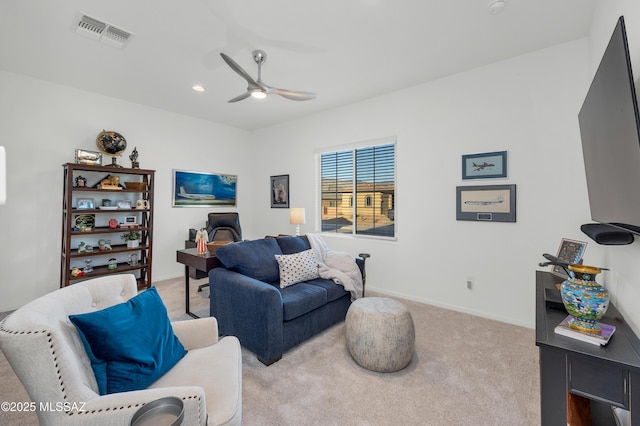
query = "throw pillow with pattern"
{"x": 297, "y": 267}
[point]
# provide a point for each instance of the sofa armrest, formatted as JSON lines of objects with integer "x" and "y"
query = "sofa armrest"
{"x": 118, "y": 408}
{"x": 248, "y": 309}
{"x": 196, "y": 333}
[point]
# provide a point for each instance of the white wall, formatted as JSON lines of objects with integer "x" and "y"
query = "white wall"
{"x": 623, "y": 261}
{"x": 527, "y": 105}
{"x": 42, "y": 124}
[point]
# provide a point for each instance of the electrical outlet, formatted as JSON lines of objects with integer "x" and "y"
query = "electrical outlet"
{"x": 469, "y": 283}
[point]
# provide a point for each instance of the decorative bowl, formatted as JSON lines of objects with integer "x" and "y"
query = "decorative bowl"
{"x": 136, "y": 186}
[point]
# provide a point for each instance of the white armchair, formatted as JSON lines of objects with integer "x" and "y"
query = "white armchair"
{"x": 46, "y": 352}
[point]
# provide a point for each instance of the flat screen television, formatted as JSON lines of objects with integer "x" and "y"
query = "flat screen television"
{"x": 610, "y": 132}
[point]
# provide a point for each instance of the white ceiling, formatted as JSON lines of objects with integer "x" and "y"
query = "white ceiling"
{"x": 344, "y": 50}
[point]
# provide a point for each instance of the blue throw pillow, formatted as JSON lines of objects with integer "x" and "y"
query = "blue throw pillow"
{"x": 131, "y": 344}
{"x": 255, "y": 259}
{"x": 290, "y": 244}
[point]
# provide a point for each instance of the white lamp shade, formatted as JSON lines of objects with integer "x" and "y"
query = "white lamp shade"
{"x": 3, "y": 175}
{"x": 296, "y": 216}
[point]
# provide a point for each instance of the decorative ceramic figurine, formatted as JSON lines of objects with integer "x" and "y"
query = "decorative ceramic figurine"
{"x": 88, "y": 267}
{"x": 202, "y": 238}
{"x": 134, "y": 158}
{"x": 584, "y": 299}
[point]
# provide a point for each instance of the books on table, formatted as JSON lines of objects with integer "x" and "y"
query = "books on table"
{"x": 601, "y": 338}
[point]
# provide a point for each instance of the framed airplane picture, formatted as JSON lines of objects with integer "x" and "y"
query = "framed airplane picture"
{"x": 488, "y": 165}
{"x": 487, "y": 203}
{"x": 199, "y": 189}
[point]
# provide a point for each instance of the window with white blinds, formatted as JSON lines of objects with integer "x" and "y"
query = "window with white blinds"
{"x": 358, "y": 189}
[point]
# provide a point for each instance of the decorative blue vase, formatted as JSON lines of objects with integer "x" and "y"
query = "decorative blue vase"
{"x": 584, "y": 299}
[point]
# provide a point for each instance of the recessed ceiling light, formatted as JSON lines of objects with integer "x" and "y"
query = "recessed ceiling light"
{"x": 198, "y": 88}
{"x": 496, "y": 6}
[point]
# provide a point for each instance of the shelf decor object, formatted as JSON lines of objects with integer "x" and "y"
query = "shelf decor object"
{"x": 584, "y": 299}
{"x": 111, "y": 143}
{"x": 85, "y": 224}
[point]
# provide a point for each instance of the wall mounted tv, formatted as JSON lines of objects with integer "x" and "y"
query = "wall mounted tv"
{"x": 610, "y": 131}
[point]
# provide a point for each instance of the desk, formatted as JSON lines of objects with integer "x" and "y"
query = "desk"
{"x": 201, "y": 262}
{"x": 607, "y": 374}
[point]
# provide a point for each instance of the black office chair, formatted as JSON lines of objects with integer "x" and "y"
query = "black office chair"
{"x": 220, "y": 227}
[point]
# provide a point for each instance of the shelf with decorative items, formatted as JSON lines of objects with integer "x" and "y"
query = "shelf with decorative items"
{"x": 100, "y": 205}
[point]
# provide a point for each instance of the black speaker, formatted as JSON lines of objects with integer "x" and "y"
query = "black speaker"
{"x": 607, "y": 235}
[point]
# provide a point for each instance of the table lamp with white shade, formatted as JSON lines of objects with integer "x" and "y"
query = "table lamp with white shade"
{"x": 296, "y": 217}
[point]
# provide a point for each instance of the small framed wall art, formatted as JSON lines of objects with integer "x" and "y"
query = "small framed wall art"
{"x": 484, "y": 166}
{"x": 280, "y": 191}
{"x": 486, "y": 203}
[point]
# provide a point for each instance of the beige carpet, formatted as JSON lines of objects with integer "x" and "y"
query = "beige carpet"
{"x": 465, "y": 371}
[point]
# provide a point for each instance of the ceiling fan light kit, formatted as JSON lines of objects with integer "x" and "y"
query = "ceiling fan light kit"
{"x": 256, "y": 88}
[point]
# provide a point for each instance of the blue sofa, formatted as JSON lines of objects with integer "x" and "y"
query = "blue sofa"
{"x": 248, "y": 302}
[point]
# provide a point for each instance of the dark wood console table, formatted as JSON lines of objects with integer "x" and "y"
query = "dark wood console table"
{"x": 607, "y": 374}
{"x": 201, "y": 262}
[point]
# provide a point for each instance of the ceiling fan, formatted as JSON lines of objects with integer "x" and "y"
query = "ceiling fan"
{"x": 256, "y": 88}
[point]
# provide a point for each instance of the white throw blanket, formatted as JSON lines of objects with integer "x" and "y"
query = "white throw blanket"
{"x": 338, "y": 266}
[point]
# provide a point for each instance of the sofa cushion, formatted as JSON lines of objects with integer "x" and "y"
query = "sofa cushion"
{"x": 293, "y": 244}
{"x": 334, "y": 291}
{"x": 131, "y": 344}
{"x": 297, "y": 267}
{"x": 301, "y": 298}
{"x": 255, "y": 259}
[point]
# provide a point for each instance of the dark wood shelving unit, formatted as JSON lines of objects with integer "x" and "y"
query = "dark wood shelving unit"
{"x": 71, "y": 236}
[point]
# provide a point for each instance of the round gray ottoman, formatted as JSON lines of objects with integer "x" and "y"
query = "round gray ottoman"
{"x": 380, "y": 334}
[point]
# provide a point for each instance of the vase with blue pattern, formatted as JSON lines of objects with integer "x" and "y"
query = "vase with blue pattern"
{"x": 584, "y": 299}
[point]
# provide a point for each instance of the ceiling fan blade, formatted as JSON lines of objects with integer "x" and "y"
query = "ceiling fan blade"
{"x": 245, "y": 95}
{"x": 294, "y": 95}
{"x": 237, "y": 68}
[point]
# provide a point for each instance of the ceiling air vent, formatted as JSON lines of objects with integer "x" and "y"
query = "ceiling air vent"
{"x": 102, "y": 31}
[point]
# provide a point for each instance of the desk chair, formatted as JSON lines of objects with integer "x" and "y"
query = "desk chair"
{"x": 221, "y": 227}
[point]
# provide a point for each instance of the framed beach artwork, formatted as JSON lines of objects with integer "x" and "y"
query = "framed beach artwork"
{"x": 280, "y": 191}
{"x": 484, "y": 166}
{"x": 201, "y": 189}
{"x": 486, "y": 203}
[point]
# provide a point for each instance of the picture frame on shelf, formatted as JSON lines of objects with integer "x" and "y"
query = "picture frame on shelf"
{"x": 92, "y": 158}
{"x": 85, "y": 204}
{"x": 486, "y": 203}
{"x": 488, "y": 165}
{"x": 202, "y": 189}
{"x": 124, "y": 204}
{"x": 84, "y": 222}
{"x": 129, "y": 221}
{"x": 569, "y": 251}
{"x": 279, "y": 191}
